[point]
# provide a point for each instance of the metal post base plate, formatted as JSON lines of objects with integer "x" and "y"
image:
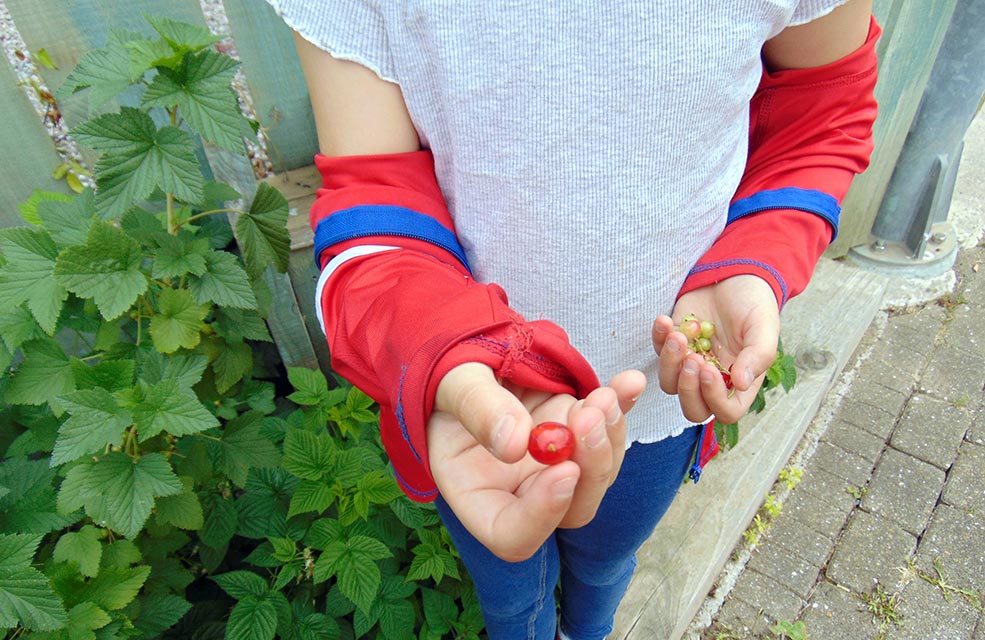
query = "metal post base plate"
{"x": 894, "y": 258}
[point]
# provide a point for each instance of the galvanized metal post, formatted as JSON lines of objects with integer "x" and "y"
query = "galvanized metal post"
{"x": 911, "y": 235}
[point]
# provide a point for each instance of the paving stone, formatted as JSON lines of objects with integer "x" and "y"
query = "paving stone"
{"x": 825, "y": 514}
{"x": 955, "y": 375}
{"x": 871, "y": 418}
{"x": 766, "y": 594}
{"x": 976, "y": 433}
{"x": 853, "y": 468}
{"x": 789, "y": 569}
{"x": 850, "y": 437}
{"x": 964, "y": 488}
{"x": 878, "y": 395}
{"x": 799, "y": 539}
{"x": 931, "y": 429}
{"x": 871, "y": 551}
{"x": 836, "y": 613}
{"x": 965, "y": 329}
{"x": 740, "y": 619}
{"x": 955, "y": 537}
{"x": 905, "y": 490}
{"x": 925, "y": 613}
{"x": 918, "y": 328}
{"x": 829, "y": 487}
{"x": 899, "y": 369}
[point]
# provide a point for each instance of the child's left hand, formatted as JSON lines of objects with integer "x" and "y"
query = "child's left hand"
{"x": 747, "y": 328}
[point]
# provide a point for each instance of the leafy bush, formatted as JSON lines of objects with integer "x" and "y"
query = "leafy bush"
{"x": 159, "y": 476}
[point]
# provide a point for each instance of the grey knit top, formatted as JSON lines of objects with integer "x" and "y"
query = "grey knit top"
{"x": 587, "y": 150}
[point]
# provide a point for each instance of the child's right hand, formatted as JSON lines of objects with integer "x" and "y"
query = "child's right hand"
{"x": 477, "y": 443}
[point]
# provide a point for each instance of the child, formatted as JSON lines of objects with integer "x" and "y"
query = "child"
{"x": 613, "y": 167}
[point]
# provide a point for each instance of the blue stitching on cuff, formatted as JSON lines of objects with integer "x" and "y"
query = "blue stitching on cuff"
{"x": 709, "y": 266}
{"x": 809, "y": 200}
{"x": 385, "y": 220}
{"x": 403, "y": 483}
{"x": 399, "y": 412}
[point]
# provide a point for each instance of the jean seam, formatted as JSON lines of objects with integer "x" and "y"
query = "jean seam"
{"x": 532, "y": 622}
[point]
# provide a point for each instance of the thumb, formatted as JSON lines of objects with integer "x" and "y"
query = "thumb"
{"x": 493, "y": 415}
{"x": 758, "y": 353}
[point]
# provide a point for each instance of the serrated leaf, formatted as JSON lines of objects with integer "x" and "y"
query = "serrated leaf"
{"x": 262, "y": 231}
{"x": 432, "y": 561}
{"x": 241, "y": 584}
{"x": 95, "y": 421}
{"x": 322, "y": 533}
{"x": 111, "y": 375}
{"x": 200, "y": 88}
{"x": 182, "y": 510}
{"x": 27, "y": 275}
{"x": 379, "y": 487}
{"x": 243, "y": 447}
{"x": 115, "y": 587}
{"x": 29, "y": 208}
{"x": 26, "y": 597}
{"x": 234, "y": 361}
{"x": 182, "y": 37}
{"x": 253, "y": 618}
{"x": 43, "y": 375}
{"x": 105, "y": 269}
{"x": 221, "y": 519}
{"x": 169, "y": 406}
{"x": 397, "y": 618}
{"x": 788, "y": 372}
{"x": 81, "y": 548}
{"x": 120, "y": 492}
{"x": 29, "y": 505}
{"x": 310, "y": 497}
{"x": 180, "y": 255}
{"x": 353, "y": 563}
{"x": 224, "y": 283}
{"x": 159, "y": 612}
{"x": 440, "y": 610}
{"x": 318, "y": 626}
{"x": 68, "y": 222}
{"x": 310, "y": 386}
{"x": 236, "y": 325}
{"x": 185, "y": 369}
{"x": 307, "y": 455}
{"x": 86, "y": 617}
{"x": 105, "y": 71}
{"x": 19, "y": 326}
{"x": 178, "y": 321}
{"x": 147, "y": 54}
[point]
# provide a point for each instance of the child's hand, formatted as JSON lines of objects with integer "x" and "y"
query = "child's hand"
{"x": 506, "y": 499}
{"x": 747, "y": 328}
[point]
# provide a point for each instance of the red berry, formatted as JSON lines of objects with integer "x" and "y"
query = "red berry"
{"x": 727, "y": 377}
{"x": 551, "y": 443}
{"x": 691, "y": 328}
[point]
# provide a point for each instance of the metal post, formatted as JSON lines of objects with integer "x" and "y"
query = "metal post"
{"x": 911, "y": 235}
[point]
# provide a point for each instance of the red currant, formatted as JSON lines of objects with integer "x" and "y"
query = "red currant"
{"x": 727, "y": 377}
{"x": 551, "y": 443}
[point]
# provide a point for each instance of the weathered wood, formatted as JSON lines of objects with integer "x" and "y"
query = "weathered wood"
{"x": 912, "y": 36}
{"x": 273, "y": 73}
{"x": 686, "y": 553}
{"x": 28, "y": 149}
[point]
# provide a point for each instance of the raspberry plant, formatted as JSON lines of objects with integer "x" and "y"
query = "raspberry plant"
{"x": 156, "y": 480}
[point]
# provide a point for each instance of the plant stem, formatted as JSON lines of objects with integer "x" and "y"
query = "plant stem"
{"x": 172, "y": 227}
{"x": 208, "y": 213}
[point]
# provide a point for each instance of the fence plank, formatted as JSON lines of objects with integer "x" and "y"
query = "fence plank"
{"x": 912, "y": 36}
{"x": 274, "y": 77}
{"x": 29, "y": 151}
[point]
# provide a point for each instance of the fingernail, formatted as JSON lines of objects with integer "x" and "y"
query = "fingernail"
{"x": 690, "y": 366}
{"x": 674, "y": 346}
{"x": 747, "y": 377}
{"x": 503, "y": 430}
{"x": 613, "y": 415}
{"x": 564, "y": 488}
{"x": 596, "y": 436}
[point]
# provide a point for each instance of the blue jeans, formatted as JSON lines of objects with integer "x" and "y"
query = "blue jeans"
{"x": 592, "y": 564}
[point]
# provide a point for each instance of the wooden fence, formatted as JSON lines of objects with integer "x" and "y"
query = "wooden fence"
{"x": 274, "y": 86}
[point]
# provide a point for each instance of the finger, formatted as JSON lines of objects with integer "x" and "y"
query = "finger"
{"x": 594, "y": 453}
{"x": 689, "y": 390}
{"x": 757, "y": 355}
{"x": 671, "y": 359}
{"x": 629, "y": 386}
{"x": 493, "y": 415}
{"x": 662, "y": 327}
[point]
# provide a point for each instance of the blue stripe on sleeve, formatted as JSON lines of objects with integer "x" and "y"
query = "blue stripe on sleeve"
{"x": 385, "y": 220}
{"x": 810, "y": 200}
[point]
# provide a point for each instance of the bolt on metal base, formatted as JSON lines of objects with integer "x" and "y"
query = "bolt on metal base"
{"x": 895, "y": 258}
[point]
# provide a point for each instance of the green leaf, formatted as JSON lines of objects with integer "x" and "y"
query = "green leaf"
{"x": 353, "y": 562}
{"x": 308, "y": 455}
{"x": 185, "y": 369}
{"x": 86, "y": 617}
{"x": 115, "y": 587}
{"x": 178, "y": 321}
{"x": 26, "y": 598}
{"x": 232, "y": 364}
{"x": 120, "y": 492}
{"x": 788, "y": 372}
{"x": 379, "y": 487}
{"x": 159, "y": 612}
{"x": 318, "y": 626}
{"x": 29, "y": 505}
{"x": 27, "y": 275}
{"x": 200, "y": 88}
{"x": 262, "y": 231}
{"x": 138, "y": 158}
{"x": 311, "y": 497}
{"x": 310, "y": 385}
{"x": 397, "y": 618}
{"x": 81, "y": 548}
{"x": 169, "y": 406}
{"x": 432, "y": 561}
{"x": 105, "y": 269}
{"x": 224, "y": 283}
{"x": 182, "y": 510}
{"x": 243, "y": 447}
{"x": 29, "y": 208}
{"x": 440, "y": 610}
{"x": 105, "y": 71}
{"x": 322, "y": 533}
{"x": 179, "y": 255}
{"x": 19, "y": 326}
{"x": 96, "y": 421}
{"x": 43, "y": 375}
{"x": 182, "y": 37}
{"x": 221, "y": 519}
{"x": 253, "y": 618}
{"x": 111, "y": 375}
{"x": 236, "y": 325}
{"x": 68, "y": 222}
{"x": 144, "y": 55}
{"x": 241, "y": 584}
